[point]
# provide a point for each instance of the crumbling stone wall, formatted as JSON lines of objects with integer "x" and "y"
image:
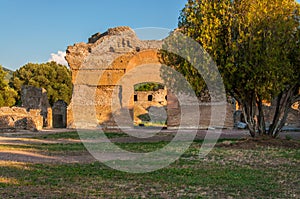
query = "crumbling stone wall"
{"x": 36, "y": 98}
{"x": 98, "y": 66}
{"x": 159, "y": 96}
{"x": 206, "y": 119}
{"x": 17, "y": 118}
{"x": 98, "y": 70}
{"x": 34, "y": 114}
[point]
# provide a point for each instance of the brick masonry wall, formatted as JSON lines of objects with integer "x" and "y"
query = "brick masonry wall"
{"x": 20, "y": 119}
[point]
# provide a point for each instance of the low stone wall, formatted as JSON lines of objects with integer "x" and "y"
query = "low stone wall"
{"x": 206, "y": 118}
{"x": 17, "y": 118}
{"x": 214, "y": 115}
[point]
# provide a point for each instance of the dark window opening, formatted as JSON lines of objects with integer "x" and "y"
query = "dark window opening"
{"x": 58, "y": 121}
{"x": 111, "y": 49}
{"x": 135, "y": 98}
{"x": 150, "y": 98}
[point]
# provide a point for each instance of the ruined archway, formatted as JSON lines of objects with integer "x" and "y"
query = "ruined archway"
{"x": 100, "y": 66}
{"x": 104, "y": 72}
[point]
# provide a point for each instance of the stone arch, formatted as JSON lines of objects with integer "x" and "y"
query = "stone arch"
{"x": 98, "y": 68}
{"x": 149, "y": 56}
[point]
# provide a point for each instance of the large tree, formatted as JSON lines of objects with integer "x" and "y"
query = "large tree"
{"x": 255, "y": 44}
{"x": 53, "y": 77}
{"x": 7, "y": 94}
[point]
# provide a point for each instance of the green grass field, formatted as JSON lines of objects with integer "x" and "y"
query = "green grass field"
{"x": 229, "y": 171}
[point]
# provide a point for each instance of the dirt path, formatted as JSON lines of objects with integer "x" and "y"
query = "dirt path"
{"x": 18, "y": 153}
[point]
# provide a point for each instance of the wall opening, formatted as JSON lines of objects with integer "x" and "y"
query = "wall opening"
{"x": 150, "y": 105}
{"x": 58, "y": 121}
{"x": 59, "y": 114}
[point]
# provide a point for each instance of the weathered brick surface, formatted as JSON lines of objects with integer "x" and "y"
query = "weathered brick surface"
{"x": 100, "y": 68}
{"x": 97, "y": 68}
{"x": 34, "y": 114}
{"x": 19, "y": 118}
{"x": 36, "y": 98}
{"x": 158, "y": 105}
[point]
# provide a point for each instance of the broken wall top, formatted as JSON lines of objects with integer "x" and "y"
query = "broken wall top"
{"x": 104, "y": 49}
{"x": 34, "y": 98}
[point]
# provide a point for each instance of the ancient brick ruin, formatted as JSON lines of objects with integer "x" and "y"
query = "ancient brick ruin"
{"x": 35, "y": 112}
{"x": 99, "y": 68}
{"x": 36, "y": 99}
{"x": 15, "y": 118}
{"x": 104, "y": 73}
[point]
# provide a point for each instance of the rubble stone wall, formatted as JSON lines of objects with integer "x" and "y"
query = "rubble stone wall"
{"x": 16, "y": 118}
{"x": 36, "y": 98}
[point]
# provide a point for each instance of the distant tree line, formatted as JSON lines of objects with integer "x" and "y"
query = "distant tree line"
{"x": 53, "y": 77}
{"x": 151, "y": 86}
{"x": 7, "y": 94}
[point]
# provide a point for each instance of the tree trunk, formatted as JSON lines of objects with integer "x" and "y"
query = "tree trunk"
{"x": 283, "y": 106}
{"x": 249, "y": 111}
{"x": 276, "y": 115}
{"x": 281, "y": 123}
{"x": 261, "y": 118}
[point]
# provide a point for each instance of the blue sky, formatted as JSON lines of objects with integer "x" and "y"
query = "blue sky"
{"x": 33, "y": 29}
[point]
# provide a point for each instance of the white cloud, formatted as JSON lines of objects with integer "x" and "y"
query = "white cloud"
{"x": 59, "y": 58}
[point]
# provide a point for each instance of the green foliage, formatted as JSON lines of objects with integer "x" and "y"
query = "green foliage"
{"x": 255, "y": 44}
{"x": 206, "y": 23}
{"x": 7, "y": 94}
{"x": 9, "y": 73}
{"x": 265, "y": 36}
{"x": 185, "y": 68}
{"x": 53, "y": 77}
{"x": 148, "y": 87}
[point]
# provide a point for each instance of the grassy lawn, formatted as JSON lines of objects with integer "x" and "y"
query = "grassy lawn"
{"x": 74, "y": 135}
{"x": 229, "y": 171}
